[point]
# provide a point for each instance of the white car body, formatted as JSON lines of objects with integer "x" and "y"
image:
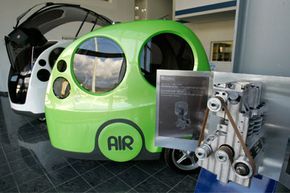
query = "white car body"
{"x": 27, "y": 46}
{"x": 34, "y": 102}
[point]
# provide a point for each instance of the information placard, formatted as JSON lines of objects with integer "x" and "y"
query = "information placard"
{"x": 181, "y": 104}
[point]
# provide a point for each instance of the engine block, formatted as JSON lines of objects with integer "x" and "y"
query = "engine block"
{"x": 221, "y": 152}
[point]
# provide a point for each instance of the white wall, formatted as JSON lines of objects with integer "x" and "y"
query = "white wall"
{"x": 186, "y": 4}
{"x": 207, "y": 30}
{"x": 155, "y": 9}
{"x": 159, "y": 8}
{"x": 117, "y": 10}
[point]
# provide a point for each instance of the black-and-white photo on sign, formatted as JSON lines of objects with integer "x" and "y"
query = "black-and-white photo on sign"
{"x": 181, "y": 104}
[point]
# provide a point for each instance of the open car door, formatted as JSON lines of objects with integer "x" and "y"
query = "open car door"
{"x": 30, "y": 33}
{"x": 27, "y": 46}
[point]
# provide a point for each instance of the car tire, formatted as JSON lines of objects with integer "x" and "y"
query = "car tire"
{"x": 184, "y": 162}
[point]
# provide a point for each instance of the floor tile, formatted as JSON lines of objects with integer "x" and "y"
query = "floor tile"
{"x": 4, "y": 170}
{"x": 112, "y": 185}
{"x": 97, "y": 176}
{"x": 133, "y": 176}
{"x": 27, "y": 131}
{"x": 151, "y": 166}
{"x": 9, "y": 148}
{"x": 116, "y": 167}
{"x": 74, "y": 185}
{"x": 40, "y": 184}
{"x": 2, "y": 157}
{"x": 169, "y": 177}
{"x": 152, "y": 185}
{"x": 54, "y": 164}
{"x": 132, "y": 191}
{"x": 91, "y": 190}
{"x": 34, "y": 140}
{"x": 17, "y": 154}
{"x": 174, "y": 191}
{"x": 7, "y": 183}
{"x": 72, "y": 160}
{"x": 13, "y": 190}
{"x": 83, "y": 166}
{"x": 62, "y": 175}
{"x": 51, "y": 190}
{"x": 3, "y": 130}
{"x": 4, "y": 138}
{"x": 186, "y": 185}
{"x": 20, "y": 164}
{"x": 26, "y": 175}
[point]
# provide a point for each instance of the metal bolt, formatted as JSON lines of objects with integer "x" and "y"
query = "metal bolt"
{"x": 242, "y": 169}
{"x": 203, "y": 151}
{"x": 221, "y": 156}
{"x": 214, "y": 104}
{"x": 224, "y": 153}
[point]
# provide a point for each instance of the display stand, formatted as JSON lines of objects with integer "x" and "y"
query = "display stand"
{"x": 207, "y": 182}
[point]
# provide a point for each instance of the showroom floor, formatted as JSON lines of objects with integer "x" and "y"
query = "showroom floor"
{"x": 28, "y": 163}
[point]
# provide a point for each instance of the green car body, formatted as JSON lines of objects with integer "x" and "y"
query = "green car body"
{"x": 119, "y": 123}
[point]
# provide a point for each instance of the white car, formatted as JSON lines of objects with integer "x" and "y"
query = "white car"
{"x": 32, "y": 56}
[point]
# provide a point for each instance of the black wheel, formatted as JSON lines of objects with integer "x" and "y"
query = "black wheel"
{"x": 181, "y": 161}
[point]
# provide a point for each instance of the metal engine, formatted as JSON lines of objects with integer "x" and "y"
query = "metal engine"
{"x": 221, "y": 152}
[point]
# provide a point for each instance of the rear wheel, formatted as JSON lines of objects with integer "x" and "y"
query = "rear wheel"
{"x": 181, "y": 161}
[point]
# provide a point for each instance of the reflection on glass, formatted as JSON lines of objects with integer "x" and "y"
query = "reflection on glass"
{"x": 165, "y": 51}
{"x": 61, "y": 88}
{"x": 221, "y": 51}
{"x": 99, "y": 65}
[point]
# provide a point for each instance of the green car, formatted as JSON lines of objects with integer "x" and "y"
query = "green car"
{"x": 101, "y": 96}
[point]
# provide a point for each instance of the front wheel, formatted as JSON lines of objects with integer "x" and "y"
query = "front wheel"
{"x": 181, "y": 161}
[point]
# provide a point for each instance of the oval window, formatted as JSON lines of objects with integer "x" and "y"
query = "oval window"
{"x": 165, "y": 51}
{"x": 99, "y": 64}
{"x": 61, "y": 88}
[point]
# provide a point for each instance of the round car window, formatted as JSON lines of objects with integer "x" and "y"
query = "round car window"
{"x": 61, "y": 88}
{"x": 99, "y": 64}
{"x": 165, "y": 51}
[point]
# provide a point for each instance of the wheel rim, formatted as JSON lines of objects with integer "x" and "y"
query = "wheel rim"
{"x": 184, "y": 160}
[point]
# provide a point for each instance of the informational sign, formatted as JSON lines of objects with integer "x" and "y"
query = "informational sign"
{"x": 181, "y": 104}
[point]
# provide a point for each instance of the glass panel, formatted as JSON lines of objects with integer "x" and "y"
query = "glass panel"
{"x": 99, "y": 65}
{"x": 165, "y": 51}
{"x": 61, "y": 88}
{"x": 221, "y": 51}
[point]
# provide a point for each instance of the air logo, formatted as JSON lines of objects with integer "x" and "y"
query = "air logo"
{"x": 119, "y": 143}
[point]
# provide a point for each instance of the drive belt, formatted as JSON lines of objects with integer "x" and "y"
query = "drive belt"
{"x": 236, "y": 130}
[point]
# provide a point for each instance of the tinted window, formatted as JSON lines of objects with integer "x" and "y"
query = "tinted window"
{"x": 99, "y": 65}
{"x": 165, "y": 51}
{"x": 61, "y": 88}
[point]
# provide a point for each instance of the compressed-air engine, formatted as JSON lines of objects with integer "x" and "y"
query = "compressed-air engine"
{"x": 233, "y": 151}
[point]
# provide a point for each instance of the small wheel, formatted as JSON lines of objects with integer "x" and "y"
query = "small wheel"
{"x": 181, "y": 161}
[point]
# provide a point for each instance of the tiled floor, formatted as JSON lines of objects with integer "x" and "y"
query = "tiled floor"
{"x": 28, "y": 163}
